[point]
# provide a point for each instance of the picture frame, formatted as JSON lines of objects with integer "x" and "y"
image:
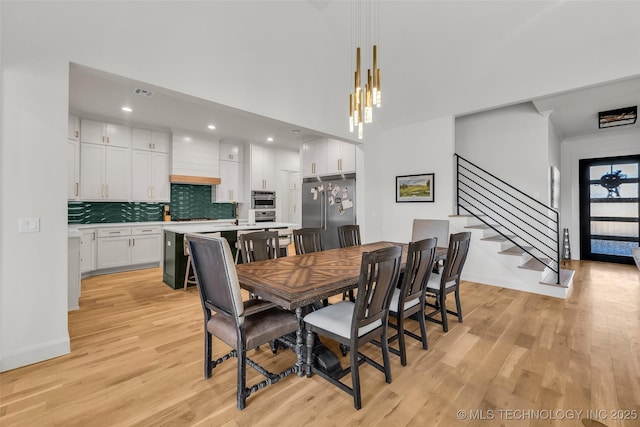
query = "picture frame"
{"x": 415, "y": 188}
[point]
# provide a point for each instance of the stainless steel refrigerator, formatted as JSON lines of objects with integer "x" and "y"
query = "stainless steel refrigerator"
{"x": 328, "y": 204}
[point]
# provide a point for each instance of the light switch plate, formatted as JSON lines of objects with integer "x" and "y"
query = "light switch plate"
{"x": 28, "y": 225}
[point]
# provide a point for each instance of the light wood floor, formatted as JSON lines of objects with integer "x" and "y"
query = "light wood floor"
{"x": 137, "y": 353}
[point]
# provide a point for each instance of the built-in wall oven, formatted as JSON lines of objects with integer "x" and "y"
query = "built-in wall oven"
{"x": 263, "y": 200}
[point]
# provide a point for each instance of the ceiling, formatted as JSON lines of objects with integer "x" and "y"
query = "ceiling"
{"x": 100, "y": 95}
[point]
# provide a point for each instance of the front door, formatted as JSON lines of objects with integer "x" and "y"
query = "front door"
{"x": 609, "y": 208}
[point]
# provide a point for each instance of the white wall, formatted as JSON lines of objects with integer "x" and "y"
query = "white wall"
{"x": 511, "y": 143}
{"x": 607, "y": 143}
{"x": 419, "y": 148}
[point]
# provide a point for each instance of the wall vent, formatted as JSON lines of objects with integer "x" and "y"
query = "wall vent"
{"x": 142, "y": 92}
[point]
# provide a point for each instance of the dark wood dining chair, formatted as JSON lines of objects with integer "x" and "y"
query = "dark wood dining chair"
{"x": 356, "y": 323}
{"x": 242, "y": 325}
{"x": 448, "y": 280}
{"x": 307, "y": 240}
{"x": 409, "y": 299}
{"x": 259, "y": 246}
{"x": 349, "y": 235}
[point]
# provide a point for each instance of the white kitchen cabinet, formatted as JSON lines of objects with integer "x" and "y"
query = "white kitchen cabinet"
{"x": 230, "y": 187}
{"x": 88, "y": 247}
{"x": 327, "y": 157}
{"x": 143, "y": 139}
{"x": 114, "y": 251}
{"x": 127, "y": 246}
{"x": 263, "y": 168}
{"x": 341, "y": 157}
{"x": 104, "y": 172}
{"x": 105, "y": 133}
{"x": 73, "y": 169}
{"x": 150, "y": 176}
{"x": 73, "y": 130}
{"x": 231, "y": 152}
{"x": 146, "y": 245}
{"x": 314, "y": 158}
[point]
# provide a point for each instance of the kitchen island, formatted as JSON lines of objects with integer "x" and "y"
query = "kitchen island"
{"x": 174, "y": 259}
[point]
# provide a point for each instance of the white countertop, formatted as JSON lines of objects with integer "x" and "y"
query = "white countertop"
{"x": 193, "y": 226}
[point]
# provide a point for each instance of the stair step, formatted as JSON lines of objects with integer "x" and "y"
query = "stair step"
{"x": 514, "y": 250}
{"x": 534, "y": 264}
{"x": 497, "y": 238}
{"x": 566, "y": 277}
{"x": 481, "y": 226}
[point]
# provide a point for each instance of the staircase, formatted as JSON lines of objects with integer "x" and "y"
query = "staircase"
{"x": 515, "y": 238}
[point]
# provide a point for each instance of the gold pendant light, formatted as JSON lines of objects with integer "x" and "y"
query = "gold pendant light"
{"x": 361, "y": 101}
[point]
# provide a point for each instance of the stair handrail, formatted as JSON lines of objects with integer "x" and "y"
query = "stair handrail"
{"x": 522, "y": 198}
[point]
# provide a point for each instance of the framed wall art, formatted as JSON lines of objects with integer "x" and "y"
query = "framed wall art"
{"x": 415, "y": 188}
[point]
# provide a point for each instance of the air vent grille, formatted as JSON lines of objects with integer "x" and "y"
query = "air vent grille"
{"x": 142, "y": 92}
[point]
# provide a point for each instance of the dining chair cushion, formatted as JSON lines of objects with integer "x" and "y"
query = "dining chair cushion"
{"x": 336, "y": 318}
{"x": 434, "y": 282}
{"x": 408, "y": 304}
{"x": 260, "y": 327}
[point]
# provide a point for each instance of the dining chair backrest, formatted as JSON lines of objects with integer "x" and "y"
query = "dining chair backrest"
{"x": 420, "y": 258}
{"x": 379, "y": 273}
{"x": 349, "y": 235}
{"x": 308, "y": 240}
{"x": 427, "y": 228}
{"x": 456, "y": 257}
{"x": 259, "y": 246}
{"x": 216, "y": 276}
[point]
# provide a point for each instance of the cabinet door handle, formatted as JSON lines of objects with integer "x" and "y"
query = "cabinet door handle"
{"x": 103, "y": 139}
{"x": 77, "y": 134}
{"x": 114, "y": 232}
{"x": 107, "y": 188}
{"x": 147, "y": 230}
{"x": 134, "y": 242}
{"x": 154, "y": 146}
{"x": 77, "y": 188}
{"x": 149, "y": 144}
{"x": 108, "y": 140}
{"x": 93, "y": 236}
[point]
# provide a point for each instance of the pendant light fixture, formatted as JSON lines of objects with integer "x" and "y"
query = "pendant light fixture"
{"x": 365, "y": 30}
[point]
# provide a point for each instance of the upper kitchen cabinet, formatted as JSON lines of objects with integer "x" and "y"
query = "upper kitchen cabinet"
{"x": 73, "y": 130}
{"x": 105, "y": 173}
{"x": 150, "y": 176}
{"x": 263, "y": 168}
{"x": 73, "y": 158}
{"x": 231, "y": 165}
{"x": 150, "y": 140}
{"x": 314, "y": 158}
{"x": 341, "y": 157}
{"x": 105, "y": 133}
{"x": 231, "y": 152}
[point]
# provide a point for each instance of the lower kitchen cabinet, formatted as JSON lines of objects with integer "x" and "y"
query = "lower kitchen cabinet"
{"x": 128, "y": 246}
{"x": 88, "y": 249}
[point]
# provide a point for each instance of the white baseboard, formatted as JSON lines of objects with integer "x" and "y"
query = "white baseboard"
{"x": 34, "y": 354}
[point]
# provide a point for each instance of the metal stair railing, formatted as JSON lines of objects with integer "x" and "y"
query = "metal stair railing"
{"x": 526, "y": 222}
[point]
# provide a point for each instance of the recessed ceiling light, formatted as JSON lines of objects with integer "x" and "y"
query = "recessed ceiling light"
{"x": 187, "y": 139}
{"x": 212, "y": 127}
{"x": 127, "y": 109}
{"x": 270, "y": 139}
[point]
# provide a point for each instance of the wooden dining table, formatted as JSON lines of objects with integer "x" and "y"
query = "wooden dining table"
{"x": 295, "y": 282}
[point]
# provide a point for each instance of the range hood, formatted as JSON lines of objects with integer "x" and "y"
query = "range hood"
{"x": 197, "y": 180}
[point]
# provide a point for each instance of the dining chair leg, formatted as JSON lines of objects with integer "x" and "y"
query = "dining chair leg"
{"x": 423, "y": 330}
{"x": 385, "y": 354}
{"x": 242, "y": 378}
{"x": 208, "y": 363}
{"x": 443, "y": 313}
{"x": 401, "y": 343}
{"x": 458, "y": 307}
{"x": 355, "y": 378}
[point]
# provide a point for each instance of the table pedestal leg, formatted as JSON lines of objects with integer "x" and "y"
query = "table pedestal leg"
{"x": 300, "y": 343}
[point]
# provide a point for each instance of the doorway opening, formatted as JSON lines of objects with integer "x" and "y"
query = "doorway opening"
{"x": 609, "y": 208}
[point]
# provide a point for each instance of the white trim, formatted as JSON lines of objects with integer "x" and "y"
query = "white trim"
{"x": 33, "y": 354}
